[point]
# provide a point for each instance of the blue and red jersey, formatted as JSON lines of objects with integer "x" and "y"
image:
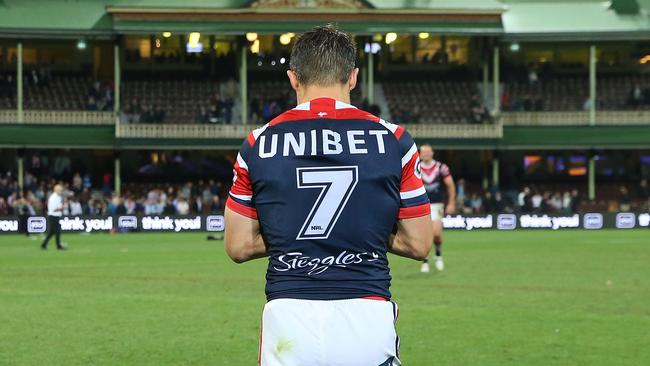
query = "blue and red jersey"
{"x": 433, "y": 176}
{"x": 328, "y": 183}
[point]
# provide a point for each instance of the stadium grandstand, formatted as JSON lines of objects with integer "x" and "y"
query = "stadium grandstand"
{"x": 490, "y": 84}
{"x": 539, "y": 107}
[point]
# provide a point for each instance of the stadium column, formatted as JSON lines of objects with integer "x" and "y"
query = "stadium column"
{"x": 592, "y": 85}
{"x": 591, "y": 177}
{"x": 486, "y": 76}
{"x": 118, "y": 175}
{"x": 19, "y": 82}
{"x": 21, "y": 171}
{"x": 371, "y": 78}
{"x": 243, "y": 84}
{"x": 118, "y": 79}
{"x": 495, "y": 170}
{"x": 495, "y": 82}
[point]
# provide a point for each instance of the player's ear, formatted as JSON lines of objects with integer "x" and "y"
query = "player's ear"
{"x": 352, "y": 82}
{"x": 293, "y": 80}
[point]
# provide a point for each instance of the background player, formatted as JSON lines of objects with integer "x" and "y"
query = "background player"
{"x": 325, "y": 190}
{"x": 437, "y": 179}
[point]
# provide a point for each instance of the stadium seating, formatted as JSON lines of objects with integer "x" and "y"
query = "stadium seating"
{"x": 60, "y": 93}
{"x": 430, "y": 101}
{"x": 569, "y": 93}
{"x": 413, "y": 101}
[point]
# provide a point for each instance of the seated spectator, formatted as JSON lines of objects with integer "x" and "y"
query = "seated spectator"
{"x": 624, "y": 199}
{"x": 214, "y": 114}
{"x": 75, "y": 207}
{"x": 499, "y": 203}
{"x": 216, "y": 206}
{"x": 158, "y": 114}
{"x": 575, "y": 201}
{"x": 488, "y": 202}
{"x": 566, "y": 202}
{"x": 4, "y": 207}
{"x": 536, "y": 201}
{"x": 555, "y": 202}
{"x": 202, "y": 116}
{"x": 644, "y": 190}
{"x": 182, "y": 206}
{"x": 476, "y": 203}
{"x": 480, "y": 113}
{"x": 147, "y": 115}
{"x": 129, "y": 206}
{"x": 92, "y": 104}
{"x": 636, "y": 97}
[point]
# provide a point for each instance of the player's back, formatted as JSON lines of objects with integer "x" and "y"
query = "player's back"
{"x": 327, "y": 182}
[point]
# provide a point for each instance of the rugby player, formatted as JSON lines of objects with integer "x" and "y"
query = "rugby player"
{"x": 325, "y": 190}
{"x": 437, "y": 179}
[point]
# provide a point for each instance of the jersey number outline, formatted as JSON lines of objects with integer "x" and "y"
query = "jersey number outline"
{"x": 336, "y": 184}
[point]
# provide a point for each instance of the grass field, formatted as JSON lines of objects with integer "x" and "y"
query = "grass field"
{"x": 505, "y": 298}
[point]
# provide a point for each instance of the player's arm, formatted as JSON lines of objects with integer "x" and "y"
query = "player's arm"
{"x": 243, "y": 238}
{"x": 412, "y": 238}
{"x": 413, "y": 233}
{"x": 451, "y": 193}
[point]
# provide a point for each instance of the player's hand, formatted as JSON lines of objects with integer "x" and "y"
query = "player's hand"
{"x": 450, "y": 209}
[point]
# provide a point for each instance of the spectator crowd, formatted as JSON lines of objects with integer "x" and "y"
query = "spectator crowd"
{"x": 82, "y": 198}
{"x": 531, "y": 199}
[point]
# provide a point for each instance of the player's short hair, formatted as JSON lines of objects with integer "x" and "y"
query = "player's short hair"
{"x": 323, "y": 56}
{"x": 426, "y": 145}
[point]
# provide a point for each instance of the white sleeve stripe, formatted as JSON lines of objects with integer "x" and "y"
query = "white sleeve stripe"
{"x": 409, "y": 154}
{"x": 242, "y": 163}
{"x": 391, "y": 126}
{"x": 411, "y": 194}
{"x": 258, "y": 131}
{"x": 242, "y": 197}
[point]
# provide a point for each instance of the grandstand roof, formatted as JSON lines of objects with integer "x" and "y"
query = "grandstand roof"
{"x": 517, "y": 19}
{"x": 574, "y": 20}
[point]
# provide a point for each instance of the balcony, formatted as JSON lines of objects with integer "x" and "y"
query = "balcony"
{"x": 36, "y": 117}
{"x": 201, "y": 131}
{"x": 577, "y": 118}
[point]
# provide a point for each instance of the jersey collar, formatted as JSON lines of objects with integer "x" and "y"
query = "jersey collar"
{"x": 323, "y": 103}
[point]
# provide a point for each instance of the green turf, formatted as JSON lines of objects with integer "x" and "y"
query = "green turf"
{"x": 505, "y": 298}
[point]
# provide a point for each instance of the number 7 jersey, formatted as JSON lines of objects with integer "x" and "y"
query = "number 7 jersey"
{"x": 328, "y": 183}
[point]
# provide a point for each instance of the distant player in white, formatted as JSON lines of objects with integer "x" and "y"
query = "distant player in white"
{"x": 437, "y": 178}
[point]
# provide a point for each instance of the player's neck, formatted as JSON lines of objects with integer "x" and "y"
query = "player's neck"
{"x": 336, "y": 92}
{"x": 427, "y": 163}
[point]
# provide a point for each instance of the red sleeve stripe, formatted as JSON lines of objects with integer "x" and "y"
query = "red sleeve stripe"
{"x": 251, "y": 139}
{"x": 399, "y": 132}
{"x": 414, "y": 211}
{"x": 249, "y": 212}
{"x": 410, "y": 183}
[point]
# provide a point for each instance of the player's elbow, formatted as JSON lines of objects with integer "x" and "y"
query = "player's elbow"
{"x": 237, "y": 255}
{"x": 236, "y": 250}
{"x": 421, "y": 250}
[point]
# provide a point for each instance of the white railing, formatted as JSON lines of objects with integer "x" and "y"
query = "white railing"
{"x": 578, "y": 118}
{"x": 58, "y": 117}
{"x": 456, "y": 131}
{"x": 182, "y": 131}
{"x": 202, "y": 131}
